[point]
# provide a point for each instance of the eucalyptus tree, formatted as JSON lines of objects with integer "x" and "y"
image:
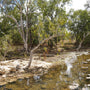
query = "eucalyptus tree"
{"x": 79, "y": 25}
{"x": 19, "y": 12}
{"x": 51, "y": 18}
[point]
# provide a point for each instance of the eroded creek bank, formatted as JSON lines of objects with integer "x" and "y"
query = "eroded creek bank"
{"x": 8, "y": 72}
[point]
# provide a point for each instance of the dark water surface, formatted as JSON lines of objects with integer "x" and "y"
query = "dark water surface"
{"x": 57, "y": 79}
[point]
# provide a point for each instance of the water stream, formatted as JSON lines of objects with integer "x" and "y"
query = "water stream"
{"x": 75, "y": 75}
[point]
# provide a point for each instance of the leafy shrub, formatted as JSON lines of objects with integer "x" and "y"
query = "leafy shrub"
{"x": 16, "y": 38}
{"x": 5, "y": 45}
{"x": 86, "y": 41}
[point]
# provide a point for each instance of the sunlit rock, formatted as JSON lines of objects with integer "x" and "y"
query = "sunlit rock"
{"x": 88, "y": 78}
{"x": 36, "y": 77}
{"x": 2, "y": 72}
{"x": 84, "y": 67}
{"x": 74, "y": 86}
{"x": 17, "y": 67}
{"x": 88, "y": 60}
{"x": 3, "y": 76}
{"x": 21, "y": 70}
{"x": 85, "y": 88}
{"x": 88, "y": 85}
{"x": 84, "y": 62}
{"x": 88, "y": 74}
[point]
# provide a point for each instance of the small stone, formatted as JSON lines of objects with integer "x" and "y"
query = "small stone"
{"x": 84, "y": 62}
{"x": 2, "y": 83}
{"x": 2, "y": 72}
{"x": 74, "y": 86}
{"x": 88, "y": 60}
{"x": 12, "y": 70}
{"x": 88, "y": 85}
{"x": 43, "y": 86}
{"x": 3, "y": 76}
{"x": 21, "y": 70}
{"x": 13, "y": 80}
{"x": 88, "y": 74}
{"x": 84, "y": 67}
{"x": 85, "y": 88}
{"x": 36, "y": 77}
{"x": 87, "y": 77}
{"x": 17, "y": 67}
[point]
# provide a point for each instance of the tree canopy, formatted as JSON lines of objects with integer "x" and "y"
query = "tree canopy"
{"x": 79, "y": 23}
{"x": 33, "y": 22}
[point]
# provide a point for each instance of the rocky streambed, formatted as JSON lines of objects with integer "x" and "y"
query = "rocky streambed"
{"x": 11, "y": 70}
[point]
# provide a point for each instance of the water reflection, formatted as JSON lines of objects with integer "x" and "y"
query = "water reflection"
{"x": 68, "y": 71}
{"x": 69, "y": 65}
{"x": 28, "y": 83}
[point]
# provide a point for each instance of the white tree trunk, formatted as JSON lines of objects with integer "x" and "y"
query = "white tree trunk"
{"x": 26, "y": 46}
{"x": 80, "y": 44}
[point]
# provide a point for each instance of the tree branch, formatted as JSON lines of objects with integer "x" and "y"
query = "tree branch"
{"x": 47, "y": 39}
{"x": 11, "y": 17}
{"x": 32, "y": 51}
{"x": 18, "y": 5}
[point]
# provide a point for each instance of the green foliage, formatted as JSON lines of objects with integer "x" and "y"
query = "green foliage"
{"x": 5, "y": 45}
{"x": 53, "y": 19}
{"x": 79, "y": 23}
{"x": 4, "y": 26}
{"x": 16, "y": 38}
{"x": 45, "y": 18}
{"x": 87, "y": 41}
{"x": 45, "y": 49}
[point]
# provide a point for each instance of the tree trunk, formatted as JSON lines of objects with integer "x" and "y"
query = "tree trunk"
{"x": 80, "y": 45}
{"x": 30, "y": 39}
{"x": 20, "y": 25}
{"x": 26, "y": 46}
{"x": 31, "y": 56}
{"x": 32, "y": 51}
{"x": 27, "y": 29}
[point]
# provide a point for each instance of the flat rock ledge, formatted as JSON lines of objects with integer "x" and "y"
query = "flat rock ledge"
{"x": 11, "y": 70}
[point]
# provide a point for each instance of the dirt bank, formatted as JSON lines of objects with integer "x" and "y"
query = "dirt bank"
{"x": 11, "y": 70}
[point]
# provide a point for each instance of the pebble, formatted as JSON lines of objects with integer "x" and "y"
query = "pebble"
{"x": 87, "y": 77}
{"x": 21, "y": 70}
{"x": 84, "y": 67}
{"x": 3, "y": 76}
{"x": 85, "y": 88}
{"x": 2, "y": 72}
{"x": 88, "y": 85}
{"x": 88, "y": 60}
{"x": 74, "y": 86}
{"x": 84, "y": 62}
{"x": 36, "y": 77}
{"x": 88, "y": 74}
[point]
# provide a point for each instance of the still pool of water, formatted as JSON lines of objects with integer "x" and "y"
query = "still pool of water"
{"x": 57, "y": 78}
